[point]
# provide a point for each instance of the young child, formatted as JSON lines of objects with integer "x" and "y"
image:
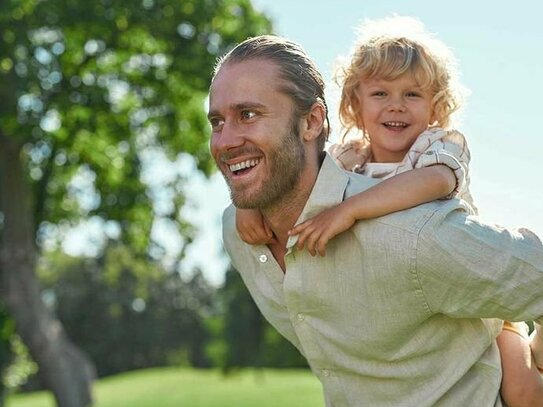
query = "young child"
{"x": 399, "y": 91}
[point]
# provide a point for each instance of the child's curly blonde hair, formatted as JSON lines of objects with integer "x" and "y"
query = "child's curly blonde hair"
{"x": 389, "y": 48}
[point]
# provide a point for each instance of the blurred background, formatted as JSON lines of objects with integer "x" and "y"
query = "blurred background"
{"x": 113, "y": 280}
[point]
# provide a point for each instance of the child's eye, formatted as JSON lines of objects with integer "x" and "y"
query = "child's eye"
{"x": 378, "y": 94}
{"x": 413, "y": 94}
{"x": 247, "y": 114}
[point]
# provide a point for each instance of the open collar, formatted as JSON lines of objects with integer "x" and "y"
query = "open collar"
{"x": 328, "y": 191}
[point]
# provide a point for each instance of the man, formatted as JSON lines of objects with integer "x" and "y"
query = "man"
{"x": 392, "y": 315}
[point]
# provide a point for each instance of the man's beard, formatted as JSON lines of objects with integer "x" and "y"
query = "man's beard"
{"x": 285, "y": 168}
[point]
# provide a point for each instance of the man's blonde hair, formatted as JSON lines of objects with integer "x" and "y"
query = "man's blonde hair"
{"x": 388, "y": 48}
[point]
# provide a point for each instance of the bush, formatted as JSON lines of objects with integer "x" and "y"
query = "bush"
{"x": 126, "y": 312}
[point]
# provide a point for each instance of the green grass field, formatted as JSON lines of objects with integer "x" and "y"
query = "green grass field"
{"x": 180, "y": 387}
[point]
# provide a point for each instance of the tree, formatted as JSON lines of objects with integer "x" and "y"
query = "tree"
{"x": 85, "y": 87}
{"x": 126, "y": 312}
{"x": 244, "y": 325}
{"x": 250, "y": 340}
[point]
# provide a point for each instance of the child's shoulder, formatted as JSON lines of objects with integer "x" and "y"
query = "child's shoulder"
{"x": 350, "y": 154}
{"x": 439, "y": 140}
{"x": 435, "y": 134}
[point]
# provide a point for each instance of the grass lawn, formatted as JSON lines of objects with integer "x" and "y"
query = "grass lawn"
{"x": 184, "y": 387}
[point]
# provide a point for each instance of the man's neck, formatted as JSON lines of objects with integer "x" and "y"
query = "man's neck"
{"x": 283, "y": 216}
{"x": 281, "y": 220}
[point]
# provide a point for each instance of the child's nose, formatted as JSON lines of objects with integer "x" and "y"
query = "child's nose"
{"x": 396, "y": 105}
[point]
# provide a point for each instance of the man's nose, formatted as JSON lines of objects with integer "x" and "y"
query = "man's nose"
{"x": 227, "y": 138}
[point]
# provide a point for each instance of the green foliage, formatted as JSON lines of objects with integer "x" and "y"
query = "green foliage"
{"x": 249, "y": 339}
{"x": 199, "y": 388}
{"x": 22, "y": 368}
{"x": 88, "y": 85}
{"x": 7, "y": 330}
{"x": 86, "y": 88}
{"x": 217, "y": 348}
{"x": 278, "y": 352}
{"x": 243, "y": 325}
{"x": 126, "y": 312}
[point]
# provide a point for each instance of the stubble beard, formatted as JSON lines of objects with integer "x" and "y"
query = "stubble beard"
{"x": 286, "y": 165}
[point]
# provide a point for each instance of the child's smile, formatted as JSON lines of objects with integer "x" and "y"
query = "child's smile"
{"x": 395, "y": 126}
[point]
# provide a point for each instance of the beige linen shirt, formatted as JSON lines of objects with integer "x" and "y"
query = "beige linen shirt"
{"x": 392, "y": 315}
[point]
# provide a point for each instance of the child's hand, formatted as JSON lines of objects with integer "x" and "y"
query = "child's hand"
{"x": 317, "y": 231}
{"x": 252, "y": 228}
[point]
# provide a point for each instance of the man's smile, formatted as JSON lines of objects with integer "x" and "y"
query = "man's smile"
{"x": 239, "y": 167}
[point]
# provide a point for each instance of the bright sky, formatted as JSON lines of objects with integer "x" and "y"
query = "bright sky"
{"x": 500, "y": 49}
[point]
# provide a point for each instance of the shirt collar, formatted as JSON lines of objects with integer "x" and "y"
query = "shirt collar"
{"x": 328, "y": 191}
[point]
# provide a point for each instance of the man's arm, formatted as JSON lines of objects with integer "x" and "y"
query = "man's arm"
{"x": 469, "y": 269}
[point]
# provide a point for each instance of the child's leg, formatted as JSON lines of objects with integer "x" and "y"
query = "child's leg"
{"x": 537, "y": 346}
{"x": 522, "y": 384}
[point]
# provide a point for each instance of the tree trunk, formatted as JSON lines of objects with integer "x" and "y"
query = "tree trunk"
{"x": 63, "y": 368}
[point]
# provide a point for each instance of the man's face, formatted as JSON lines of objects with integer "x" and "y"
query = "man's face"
{"x": 254, "y": 139}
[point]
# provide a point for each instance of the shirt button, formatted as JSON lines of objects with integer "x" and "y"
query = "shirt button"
{"x": 325, "y": 372}
{"x": 263, "y": 258}
{"x": 300, "y": 316}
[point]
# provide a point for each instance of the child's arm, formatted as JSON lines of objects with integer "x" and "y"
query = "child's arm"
{"x": 252, "y": 228}
{"x": 402, "y": 191}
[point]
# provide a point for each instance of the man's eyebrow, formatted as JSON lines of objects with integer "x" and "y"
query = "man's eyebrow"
{"x": 247, "y": 105}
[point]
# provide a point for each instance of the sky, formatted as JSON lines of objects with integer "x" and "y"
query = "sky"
{"x": 499, "y": 46}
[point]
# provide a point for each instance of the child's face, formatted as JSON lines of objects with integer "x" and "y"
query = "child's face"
{"x": 394, "y": 113}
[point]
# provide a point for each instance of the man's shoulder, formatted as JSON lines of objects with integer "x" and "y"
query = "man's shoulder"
{"x": 358, "y": 183}
{"x": 236, "y": 248}
{"x": 412, "y": 219}
{"x": 229, "y": 221}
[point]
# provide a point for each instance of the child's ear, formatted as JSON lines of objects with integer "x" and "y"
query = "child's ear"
{"x": 433, "y": 119}
{"x": 313, "y": 122}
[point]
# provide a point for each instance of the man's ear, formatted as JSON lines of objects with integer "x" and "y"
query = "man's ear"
{"x": 313, "y": 122}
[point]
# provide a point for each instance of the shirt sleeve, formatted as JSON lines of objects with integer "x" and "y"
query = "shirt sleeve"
{"x": 468, "y": 269}
{"x": 448, "y": 148}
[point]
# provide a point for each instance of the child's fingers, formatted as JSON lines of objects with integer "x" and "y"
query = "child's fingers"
{"x": 265, "y": 238}
{"x": 261, "y": 233}
{"x": 321, "y": 245}
{"x": 324, "y": 238}
{"x": 328, "y": 231}
{"x": 321, "y": 249}
{"x": 303, "y": 233}
{"x": 253, "y": 237}
{"x": 247, "y": 239}
{"x": 311, "y": 241}
{"x": 243, "y": 235}
{"x": 304, "y": 240}
{"x": 301, "y": 241}
{"x": 296, "y": 230}
{"x": 267, "y": 230}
